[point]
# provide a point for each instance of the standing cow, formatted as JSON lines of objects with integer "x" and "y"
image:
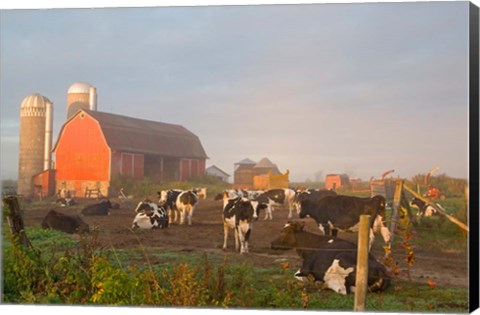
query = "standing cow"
{"x": 343, "y": 213}
{"x": 238, "y": 215}
{"x": 275, "y": 197}
{"x": 168, "y": 198}
{"x": 186, "y": 203}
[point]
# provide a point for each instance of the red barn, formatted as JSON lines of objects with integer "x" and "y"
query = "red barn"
{"x": 93, "y": 146}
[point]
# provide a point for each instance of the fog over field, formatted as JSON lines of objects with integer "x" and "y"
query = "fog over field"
{"x": 339, "y": 88}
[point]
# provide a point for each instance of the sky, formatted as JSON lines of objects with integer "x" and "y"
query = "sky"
{"x": 358, "y": 88}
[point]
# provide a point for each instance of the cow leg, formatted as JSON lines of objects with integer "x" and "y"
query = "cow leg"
{"x": 169, "y": 216}
{"x": 182, "y": 216}
{"x": 372, "y": 237}
{"x": 268, "y": 213}
{"x": 334, "y": 232}
{"x": 320, "y": 227}
{"x": 237, "y": 244}
{"x": 225, "y": 235}
{"x": 243, "y": 235}
{"x": 190, "y": 214}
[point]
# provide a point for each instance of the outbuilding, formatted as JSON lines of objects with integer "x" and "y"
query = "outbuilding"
{"x": 335, "y": 181}
{"x": 93, "y": 147}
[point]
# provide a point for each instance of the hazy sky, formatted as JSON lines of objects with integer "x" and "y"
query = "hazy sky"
{"x": 355, "y": 88}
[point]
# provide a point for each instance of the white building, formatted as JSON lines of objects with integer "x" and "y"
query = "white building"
{"x": 215, "y": 171}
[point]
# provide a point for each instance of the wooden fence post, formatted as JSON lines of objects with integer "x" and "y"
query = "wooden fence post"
{"x": 15, "y": 221}
{"x": 361, "y": 280}
{"x": 397, "y": 201}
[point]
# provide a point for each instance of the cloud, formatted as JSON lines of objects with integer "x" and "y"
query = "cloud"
{"x": 324, "y": 86}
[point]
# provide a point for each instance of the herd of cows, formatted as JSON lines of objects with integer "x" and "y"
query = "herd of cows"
{"x": 326, "y": 258}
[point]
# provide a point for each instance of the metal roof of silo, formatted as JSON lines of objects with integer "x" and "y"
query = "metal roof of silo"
{"x": 35, "y": 100}
{"x": 79, "y": 87}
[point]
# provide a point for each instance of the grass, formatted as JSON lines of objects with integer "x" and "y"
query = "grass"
{"x": 253, "y": 287}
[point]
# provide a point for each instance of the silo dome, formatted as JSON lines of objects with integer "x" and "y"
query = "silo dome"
{"x": 35, "y": 101}
{"x": 79, "y": 87}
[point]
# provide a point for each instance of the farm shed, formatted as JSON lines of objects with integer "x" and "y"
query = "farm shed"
{"x": 271, "y": 181}
{"x": 217, "y": 172}
{"x": 94, "y": 146}
{"x": 334, "y": 181}
{"x": 246, "y": 170}
{"x": 243, "y": 174}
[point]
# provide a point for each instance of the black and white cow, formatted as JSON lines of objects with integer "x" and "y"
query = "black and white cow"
{"x": 168, "y": 198}
{"x": 66, "y": 202}
{"x": 337, "y": 270}
{"x": 328, "y": 259}
{"x": 238, "y": 215}
{"x": 311, "y": 194}
{"x": 64, "y": 222}
{"x": 101, "y": 208}
{"x": 425, "y": 210}
{"x": 186, "y": 203}
{"x": 275, "y": 197}
{"x": 343, "y": 213}
{"x": 150, "y": 216}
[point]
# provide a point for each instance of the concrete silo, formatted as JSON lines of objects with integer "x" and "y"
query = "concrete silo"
{"x": 81, "y": 95}
{"x": 36, "y": 120}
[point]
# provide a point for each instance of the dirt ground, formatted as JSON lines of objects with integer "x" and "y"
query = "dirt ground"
{"x": 446, "y": 269}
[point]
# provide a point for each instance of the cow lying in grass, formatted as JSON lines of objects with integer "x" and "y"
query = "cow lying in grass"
{"x": 329, "y": 260}
{"x": 101, "y": 208}
{"x": 150, "y": 216}
{"x": 65, "y": 223}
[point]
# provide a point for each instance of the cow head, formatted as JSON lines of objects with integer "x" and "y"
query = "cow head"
{"x": 257, "y": 206}
{"x": 146, "y": 207}
{"x": 304, "y": 208}
{"x": 163, "y": 195}
{"x": 287, "y": 238}
{"x": 334, "y": 278}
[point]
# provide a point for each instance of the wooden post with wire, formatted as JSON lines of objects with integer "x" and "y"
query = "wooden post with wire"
{"x": 361, "y": 280}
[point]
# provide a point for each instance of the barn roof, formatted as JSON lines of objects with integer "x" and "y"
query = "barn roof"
{"x": 265, "y": 163}
{"x": 128, "y": 134}
{"x": 246, "y": 161}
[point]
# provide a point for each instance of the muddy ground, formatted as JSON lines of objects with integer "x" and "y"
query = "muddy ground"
{"x": 446, "y": 269}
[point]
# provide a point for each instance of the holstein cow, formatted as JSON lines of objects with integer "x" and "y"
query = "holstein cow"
{"x": 186, "y": 203}
{"x": 275, "y": 197}
{"x": 310, "y": 194}
{"x": 238, "y": 215}
{"x": 65, "y": 223}
{"x": 425, "y": 210}
{"x": 150, "y": 216}
{"x": 328, "y": 259}
{"x": 66, "y": 202}
{"x": 101, "y": 208}
{"x": 168, "y": 198}
{"x": 343, "y": 213}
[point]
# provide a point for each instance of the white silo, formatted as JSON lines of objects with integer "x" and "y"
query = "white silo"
{"x": 81, "y": 95}
{"x": 36, "y": 117}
